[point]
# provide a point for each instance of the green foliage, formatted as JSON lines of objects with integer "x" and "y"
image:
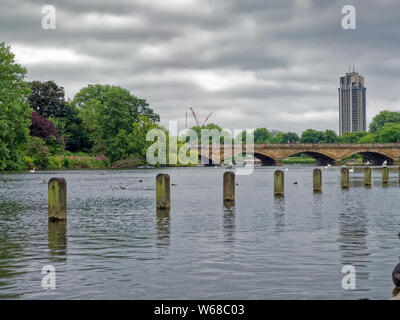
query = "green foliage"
{"x": 368, "y": 138}
{"x": 47, "y": 98}
{"x": 129, "y": 163}
{"x": 290, "y": 137}
{"x": 299, "y": 160}
{"x": 70, "y": 127}
{"x": 55, "y": 163}
{"x": 56, "y": 146}
{"x": 262, "y": 135}
{"x": 312, "y": 136}
{"x": 106, "y": 110}
{"x": 224, "y": 135}
{"x": 330, "y": 136}
{"x": 352, "y": 137}
{"x": 14, "y": 111}
{"x": 133, "y": 143}
{"x": 390, "y": 132}
{"x": 39, "y": 152}
{"x": 383, "y": 118}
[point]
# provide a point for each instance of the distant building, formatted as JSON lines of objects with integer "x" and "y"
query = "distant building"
{"x": 273, "y": 132}
{"x": 352, "y": 103}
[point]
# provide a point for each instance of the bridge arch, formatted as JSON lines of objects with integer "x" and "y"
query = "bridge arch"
{"x": 322, "y": 158}
{"x": 265, "y": 158}
{"x": 373, "y": 156}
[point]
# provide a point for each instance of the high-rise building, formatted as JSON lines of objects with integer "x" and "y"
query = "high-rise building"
{"x": 352, "y": 103}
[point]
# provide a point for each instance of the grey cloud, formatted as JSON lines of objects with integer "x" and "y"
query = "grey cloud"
{"x": 269, "y": 63}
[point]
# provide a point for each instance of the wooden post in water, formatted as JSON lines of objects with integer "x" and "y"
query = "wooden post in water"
{"x": 317, "y": 180}
{"x": 367, "y": 176}
{"x": 279, "y": 183}
{"x": 345, "y": 178}
{"x": 229, "y": 186}
{"x": 57, "y": 206}
{"x": 163, "y": 188}
{"x": 385, "y": 175}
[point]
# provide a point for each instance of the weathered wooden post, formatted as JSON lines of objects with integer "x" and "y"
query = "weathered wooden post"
{"x": 367, "y": 176}
{"x": 345, "y": 178}
{"x": 163, "y": 188}
{"x": 229, "y": 186}
{"x": 385, "y": 175}
{"x": 317, "y": 180}
{"x": 57, "y": 206}
{"x": 279, "y": 183}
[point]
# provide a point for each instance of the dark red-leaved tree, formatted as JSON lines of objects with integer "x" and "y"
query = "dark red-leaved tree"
{"x": 43, "y": 128}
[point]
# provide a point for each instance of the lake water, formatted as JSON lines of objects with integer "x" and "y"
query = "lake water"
{"x": 116, "y": 246}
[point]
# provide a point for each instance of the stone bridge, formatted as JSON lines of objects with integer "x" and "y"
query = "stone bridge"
{"x": 330, "y": 153}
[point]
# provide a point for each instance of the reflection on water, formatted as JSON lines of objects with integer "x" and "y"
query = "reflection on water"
{"x": 229, "y": 223}
{"x": 11, "y": 249}
{"x": 279, "y": 213}
{"x": 163, "y": 227}
{"x": 58, "y": 240}
{"x": 353, "y": 226}
{"x": 260, "y": 247}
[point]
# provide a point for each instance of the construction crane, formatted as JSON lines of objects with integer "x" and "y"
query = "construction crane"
{"x": 205, "y": 121}
{"x": 194, "y": 116}
{"x": 196, "y": 119}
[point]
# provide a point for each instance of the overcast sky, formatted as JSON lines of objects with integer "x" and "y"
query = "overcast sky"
{"x": 253, "y": 63}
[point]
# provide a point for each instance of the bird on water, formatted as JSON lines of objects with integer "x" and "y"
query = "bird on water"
{"x": 396, "y": 275}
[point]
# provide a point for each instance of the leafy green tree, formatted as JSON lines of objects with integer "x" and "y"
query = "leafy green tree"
{"x": 290, "y": 137}
{"x": 127, "y": 144}
{"x": 352, "y": 137}
{"x": 14, "y": 111}
{"x": 389, "y": 133}
{"x": 105, "y": 110}
{"x": 47, "y": 98}
{"x": 312, "y": 136}
{"x": 70, "y": 127}
{"x": 330, "y": 136}
{"x": 368, "y": 138}
{"x": 262, "y": 135}
{"x": 382, "y": 118}
{"x": 39, "y": 152}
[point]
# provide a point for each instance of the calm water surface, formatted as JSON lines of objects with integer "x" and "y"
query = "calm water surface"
{"x": 116, "y": 246}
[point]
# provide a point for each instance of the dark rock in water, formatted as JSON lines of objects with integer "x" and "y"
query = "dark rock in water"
{"x": 140, "y": 180}
{"x": 396, "y": 275}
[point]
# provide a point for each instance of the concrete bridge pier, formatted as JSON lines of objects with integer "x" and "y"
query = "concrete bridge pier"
{"x": 279, "y": 162}
{"x": 396, "y": 161}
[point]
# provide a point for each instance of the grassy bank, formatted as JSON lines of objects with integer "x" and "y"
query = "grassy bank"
{"x": 299, "y": 160}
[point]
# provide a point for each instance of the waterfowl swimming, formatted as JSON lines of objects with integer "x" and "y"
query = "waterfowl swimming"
{"x": 352, "y": 169}
{"x": 174, "y": 184}
{"x": 295, "y": 182}
{"x": 32, "y": 170}
{"x": 396, "y": 275}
